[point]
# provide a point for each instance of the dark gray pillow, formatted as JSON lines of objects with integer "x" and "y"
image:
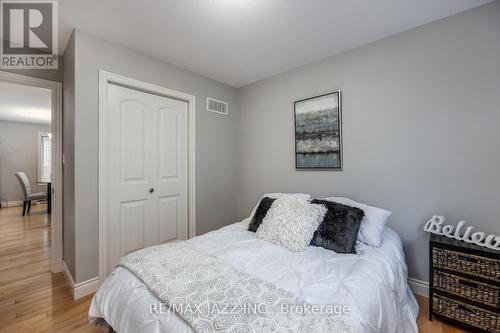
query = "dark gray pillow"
{"x": 339, "y": 229}
{"x": 264, "y": 205}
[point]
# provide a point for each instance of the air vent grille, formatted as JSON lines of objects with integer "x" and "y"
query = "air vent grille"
{"x": 217, "y": 106}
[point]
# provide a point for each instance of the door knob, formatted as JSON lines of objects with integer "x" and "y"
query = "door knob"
{"x": 151, "y": 190}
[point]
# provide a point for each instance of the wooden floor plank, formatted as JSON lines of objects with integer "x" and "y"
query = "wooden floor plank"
{"x": 32, "y": 299}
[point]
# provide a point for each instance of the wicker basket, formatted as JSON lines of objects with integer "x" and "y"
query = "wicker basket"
{"x": 468, "y": 289}
{"x": 461, "y": 262}
{"x": 467, "y": 314}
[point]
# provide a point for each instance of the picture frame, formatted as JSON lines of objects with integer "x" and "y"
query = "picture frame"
{"x": 318, "y": 132}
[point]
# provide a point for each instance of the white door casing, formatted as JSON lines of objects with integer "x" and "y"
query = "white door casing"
{"x": 146, "y": 167}
{"x": 56, "y": 232}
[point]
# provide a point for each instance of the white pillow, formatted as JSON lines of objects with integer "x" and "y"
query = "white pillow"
{"x": 372, "y": 226}
{"x": 291, "y": 223}
{"x": 300, "y": 196}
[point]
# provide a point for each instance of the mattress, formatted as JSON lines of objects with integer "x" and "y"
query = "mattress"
{"x": 371, "y": 286}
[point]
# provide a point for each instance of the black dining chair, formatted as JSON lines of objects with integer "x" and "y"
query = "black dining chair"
{"x": 28, "y": 195}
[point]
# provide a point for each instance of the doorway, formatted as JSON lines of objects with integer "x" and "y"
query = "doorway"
{"x": 31, "y": 158}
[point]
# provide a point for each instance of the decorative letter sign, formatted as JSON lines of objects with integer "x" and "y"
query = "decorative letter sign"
{"x": 435, "y": 225}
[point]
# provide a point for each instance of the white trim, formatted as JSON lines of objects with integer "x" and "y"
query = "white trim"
{"x": 85, "y": 288}
{"x": 14, "y": 203}
{"x": 419, "y": 287}
{"x": 18, "y": 203}
{"x": 69, "y": 279}
{"x": 104, "y": 79}
{"x": 56, "y": 103}
{"x": 78, "y": 290}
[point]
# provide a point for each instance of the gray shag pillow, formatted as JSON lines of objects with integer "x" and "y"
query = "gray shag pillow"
{"x": 339, "y": 229}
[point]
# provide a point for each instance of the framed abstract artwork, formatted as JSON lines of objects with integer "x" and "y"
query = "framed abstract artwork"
{"x": 318, "y": 132}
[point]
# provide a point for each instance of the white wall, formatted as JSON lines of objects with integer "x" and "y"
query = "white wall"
{"x": 421, "y": 115}
{"x": 18, "y": 152}
{"x": 216, "y": 140}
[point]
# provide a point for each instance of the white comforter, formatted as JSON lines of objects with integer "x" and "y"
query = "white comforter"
{"x": 373, "y": 283}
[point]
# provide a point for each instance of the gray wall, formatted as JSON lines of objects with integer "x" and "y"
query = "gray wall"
{"x": 420, "y": 115}
{"x": 421, "y": 112}
{"x": 216, "y": 140}
{"x": 69, "y": 157}
{"x": 18, "y": 152}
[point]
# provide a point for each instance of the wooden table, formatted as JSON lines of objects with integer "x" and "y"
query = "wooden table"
{"x": 48, "y": 184}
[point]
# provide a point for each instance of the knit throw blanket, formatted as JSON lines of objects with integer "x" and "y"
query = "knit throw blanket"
{"x": 212, "y": 296}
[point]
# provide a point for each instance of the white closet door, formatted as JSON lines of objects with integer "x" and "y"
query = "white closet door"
{"x": 147, "y": 170}
{"x": 171, "y": 176}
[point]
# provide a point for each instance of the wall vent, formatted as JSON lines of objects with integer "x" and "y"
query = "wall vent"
{"x": 217, "y": 106}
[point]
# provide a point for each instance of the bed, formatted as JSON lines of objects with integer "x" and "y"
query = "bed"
{"x": 372, "y": 283}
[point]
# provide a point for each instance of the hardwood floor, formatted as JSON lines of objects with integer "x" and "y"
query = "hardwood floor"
{"x": 32, "y": 299}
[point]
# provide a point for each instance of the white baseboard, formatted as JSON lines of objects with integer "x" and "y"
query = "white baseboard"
{"x": 15, "y": 203}
{"x": 419, "y": 287}
{"x": 18, "y": 203}
{"x": 86, "y": 288}
{"x": 78, "y": 290}
{"x": 69, "y": 279}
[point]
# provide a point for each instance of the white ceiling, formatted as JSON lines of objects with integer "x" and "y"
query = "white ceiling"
{"x": 242, "y": 41}
{"x": 25, "y": 104}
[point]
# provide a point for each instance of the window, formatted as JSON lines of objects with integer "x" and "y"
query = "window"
{"x": 44, "y": 156}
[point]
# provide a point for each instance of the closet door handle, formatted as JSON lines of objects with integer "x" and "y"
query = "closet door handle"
{"x": 151, "y": 190}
